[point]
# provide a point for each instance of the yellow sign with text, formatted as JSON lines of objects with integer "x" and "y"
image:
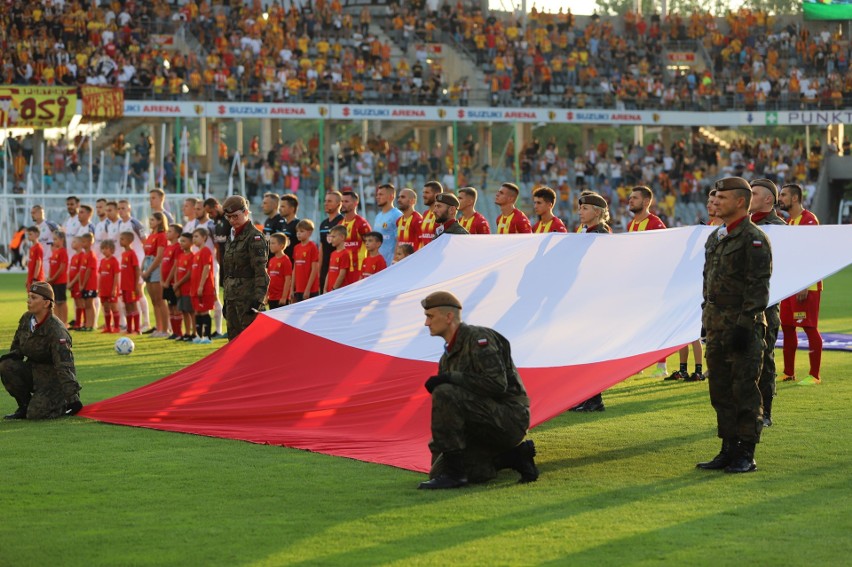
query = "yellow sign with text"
{"x": 37, "y": 107}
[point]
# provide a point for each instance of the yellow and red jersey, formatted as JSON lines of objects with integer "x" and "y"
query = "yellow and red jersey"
{"x": 651, "y": 222}
{"x": 475, "y": 224}
{"x": 515, "y": 222}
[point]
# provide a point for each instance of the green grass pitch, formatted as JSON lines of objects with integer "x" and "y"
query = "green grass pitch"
{"x": 617, "y": 488}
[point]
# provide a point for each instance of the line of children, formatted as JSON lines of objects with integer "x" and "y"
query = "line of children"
{"x": 280, "y": 271}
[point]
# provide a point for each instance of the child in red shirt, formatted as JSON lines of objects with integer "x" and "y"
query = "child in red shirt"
{"x": 168, "y": 271}
{"x": 306, "y": 263}
{"x": 109, "y": 275}
{"x": 340, "y": 262}
{"x": 35, "y": 264}
{"x": 374, "y": 262}
{"x": 131, "y": 281}
{"x": 58, "y": 277}
{"x": 182, "y": 275}
{"x": 280, "y": 271}
{"x": 201, "y": 285}
{"x": 74, "y": 281}
{"x": 88, "y": 280}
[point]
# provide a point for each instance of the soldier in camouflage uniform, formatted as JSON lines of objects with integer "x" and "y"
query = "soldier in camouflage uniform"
{"x": 445, "y": 208}
{"x": 480, "y": 409}
{"x": 38, "y": 371}
{"x": 763, "y": 200}
{"x": 244, "y": 275}
{"x": 737, "y": 267}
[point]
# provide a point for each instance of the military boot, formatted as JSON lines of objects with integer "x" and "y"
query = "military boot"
{"x": 524, "y": 461}
{"x": 20, "y": 413}
{"x": 724, "y": 458}
{"x": 767, "y": 413}
{"x": 453, "y": 475}
{"x": 743, "y": 460}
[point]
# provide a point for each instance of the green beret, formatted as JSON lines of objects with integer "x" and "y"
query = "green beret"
{"x": 732, "y": 183}
{"x": 234, "y": 204}
{"x": 592, "y": 199}
{"x": 43, "y": 289}
{"x": 768, "y": 185}
{"x": 447, "y": 199}
{"x": 441, "y": 299}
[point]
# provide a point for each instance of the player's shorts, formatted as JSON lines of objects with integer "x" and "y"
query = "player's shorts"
{"x": 801, "y": 314}
{"x": 155, "y": 274}
{"x": 108, "y": 298}
{"x": 169, "y": 296}
{"x": 184, "y": 304}
{"x": 203, "y": 303}
{"x": 129, "y": 296}
{"x": 60, "y": 292}
{"x": 89, "y": 293}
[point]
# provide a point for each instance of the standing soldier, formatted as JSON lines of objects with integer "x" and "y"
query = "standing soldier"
{"x": 764, "y": 196}
{"x": 737, "y": 267}
{"x": 480, "y": 409}
{"x": 244, "y": 267}
{"x": 446, "y": 208}
{"x": 38, "y": 371}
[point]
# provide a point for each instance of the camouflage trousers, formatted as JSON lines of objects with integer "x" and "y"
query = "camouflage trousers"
{"x": 34, "y": 387}
{"x": 734, "y": 391}
{"x": 480, "y": 427}
{"x": 768, "y": 372}
{"x": 239, "y": 315}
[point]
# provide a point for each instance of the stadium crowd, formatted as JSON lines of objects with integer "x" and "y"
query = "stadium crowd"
{"x": 325, "y": 52}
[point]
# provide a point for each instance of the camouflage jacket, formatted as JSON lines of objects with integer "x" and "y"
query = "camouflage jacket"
{"x": 453, "y": 228}
{"x": 48, "y": 349}
{"x": 771, "y": 218}
{"x": 480, "y": 361}
{"x": 737, "y": 268}
{"x": 244, "y": 265}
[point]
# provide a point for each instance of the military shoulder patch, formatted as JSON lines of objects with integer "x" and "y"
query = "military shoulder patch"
{"x": 258, "y": 237}
{"x": 757, "y": 243}
{"x": 482, "y": 342}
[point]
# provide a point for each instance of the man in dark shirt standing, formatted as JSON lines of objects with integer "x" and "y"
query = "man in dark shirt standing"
{"x": 288, "y": 208}
{"x": 332, "y": 203}
{"x": 221, "y": 226}
{"x": 274, "y": 222}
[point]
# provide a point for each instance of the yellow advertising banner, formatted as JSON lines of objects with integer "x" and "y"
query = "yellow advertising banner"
{"x": 102, "y": 102}
{"x": 37, "y": 107}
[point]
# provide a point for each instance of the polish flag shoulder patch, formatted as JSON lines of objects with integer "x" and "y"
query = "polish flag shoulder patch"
{"x": 757, "y": 244}
{"x": 482, "y": 342}
{"x": 258, "y": 237}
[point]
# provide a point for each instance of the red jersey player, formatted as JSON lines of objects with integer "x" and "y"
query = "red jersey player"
{"x": 109, "y": 276}
{"x": 130, "y": 281}
{"x": 408, "y": 225}
{"x": 201, "y": 285}
{"x": 35, "y": 264}
{"x": 305, "y": 263}
{"x": 88, "y": 280}
{"x": 802, "y": 309}
{"x": 511, "y": 220}
{"x": 280, "y": 271}
{"x": 58, "y": 276}
{"x": 74, "y": 280}
{"x": 339, "y": 265}
{"x": 639, "y": 203}
{"x": 471, "y": 221}
{"x": 356, "y": 227}
{"x": 374, "y": 262}
{"x": 543, "y": 200}
{"x": 431, "y": 189}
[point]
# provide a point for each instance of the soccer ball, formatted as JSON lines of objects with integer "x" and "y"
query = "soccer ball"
{"x": 124, "y": 346}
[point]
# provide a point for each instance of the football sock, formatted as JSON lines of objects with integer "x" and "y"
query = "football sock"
{"x": 814, "y": 350}
{"x": 698, "y": 369}
{"x": 791, "y": 343}
{"x": 107, "y": 320}
{"x": 683, "y": 366}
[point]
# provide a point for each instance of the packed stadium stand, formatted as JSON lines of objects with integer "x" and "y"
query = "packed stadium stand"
{"x": 416, "y": 53}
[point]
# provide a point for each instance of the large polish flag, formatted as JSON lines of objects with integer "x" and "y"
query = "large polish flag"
{"x": 343, "y": 373}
